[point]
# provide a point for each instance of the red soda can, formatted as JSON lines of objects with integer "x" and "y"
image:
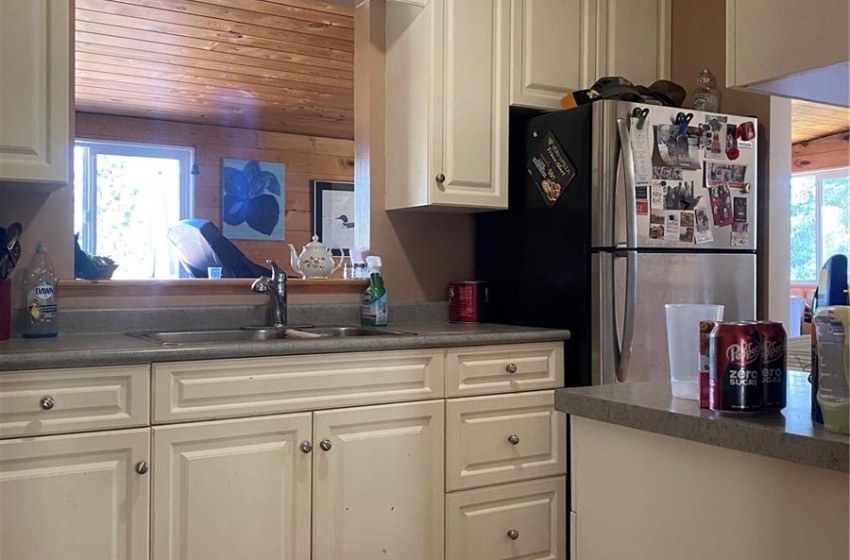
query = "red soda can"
{"x": 705, "y": 328}
{"x": 468, "y": 302}
{"x": 773, "y": 365}
{"x": 734, "y": 361}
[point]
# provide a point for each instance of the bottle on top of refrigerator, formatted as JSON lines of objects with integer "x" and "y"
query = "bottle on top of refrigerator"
{"x": 706, "y": 95}
{"x": 373, "y": 312}
{"x": 833, "y": 346}
{"x": 40, "y": 285}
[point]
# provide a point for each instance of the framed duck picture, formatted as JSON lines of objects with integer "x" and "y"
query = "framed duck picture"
{"x": 333, "y": 214}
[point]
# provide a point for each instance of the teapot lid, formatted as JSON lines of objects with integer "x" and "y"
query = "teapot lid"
{"x": 315, "y": 244}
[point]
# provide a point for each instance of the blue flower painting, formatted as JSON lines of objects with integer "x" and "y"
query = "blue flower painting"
{"x": 252, "y": 199}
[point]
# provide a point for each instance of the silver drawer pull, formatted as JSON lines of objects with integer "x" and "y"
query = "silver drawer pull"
{"x": 511, "y": 368}
{"x": 513, "y": 534}
{"x": 142, "y": 467}
{"x": 513, "y": 439}
{"x": 325, "y": 444}
{"x": 47, "y": 403}
{"x": 306, "y": 447}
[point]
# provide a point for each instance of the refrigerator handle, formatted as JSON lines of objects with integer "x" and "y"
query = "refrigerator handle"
{"x": 625, "y": 346}
{"x": 629, "y": 174}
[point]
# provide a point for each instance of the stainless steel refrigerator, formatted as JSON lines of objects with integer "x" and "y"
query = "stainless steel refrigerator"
{"x": 616, "y": 209}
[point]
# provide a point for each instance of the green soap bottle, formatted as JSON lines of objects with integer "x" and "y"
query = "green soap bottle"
{"x": 373, "y": 312}
{"x": 832, "y": 324}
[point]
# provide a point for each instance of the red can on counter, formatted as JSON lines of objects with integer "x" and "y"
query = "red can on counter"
{"x": 705, "y": 328}
{"x": 734, "y": 361}
{"x": 468, "y": 301}
{"x": 773, "y": 365}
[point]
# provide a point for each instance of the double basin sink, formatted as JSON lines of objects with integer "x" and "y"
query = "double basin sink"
{"x": 258, "y": 334}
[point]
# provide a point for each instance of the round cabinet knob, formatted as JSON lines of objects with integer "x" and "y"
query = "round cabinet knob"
{"x": 511, "y": 368}
{"x": 440, "y": 178}
{"x": 513, "y": 439}
{"x": 47, "y": 403}
{"x": 306, "y": 447}
{"x": 142, "y": 467}
{"x": 513, "y": 534}
{"x": 325, "y": 444}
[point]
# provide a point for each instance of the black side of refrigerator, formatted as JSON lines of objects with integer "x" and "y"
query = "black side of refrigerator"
{"x": 536, "y": 257}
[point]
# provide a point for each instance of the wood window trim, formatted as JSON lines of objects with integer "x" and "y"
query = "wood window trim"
{"x": 201, "y": 287}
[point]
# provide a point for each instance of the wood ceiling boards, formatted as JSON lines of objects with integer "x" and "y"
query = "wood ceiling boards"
{"x": 278, "y": 65}
{"x": 814, "y": 120}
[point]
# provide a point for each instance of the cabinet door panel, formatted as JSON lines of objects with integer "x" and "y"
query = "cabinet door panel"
{"x": 75, "y": 496}
{"x": 35, "y": 48}
{"x": 232, "y": 489}
{"x": 378, "y": 490}
{"x": 473, "y": 52}
{"x": 634, "y": 39}
{"x": 547, "y": 55}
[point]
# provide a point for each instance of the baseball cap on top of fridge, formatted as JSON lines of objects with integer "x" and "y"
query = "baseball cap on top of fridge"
{"x": 661, "y": 92}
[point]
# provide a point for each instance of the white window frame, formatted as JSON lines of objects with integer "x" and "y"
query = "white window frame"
{"x": 819, "y": 176}
{"x": 184, "y": 154}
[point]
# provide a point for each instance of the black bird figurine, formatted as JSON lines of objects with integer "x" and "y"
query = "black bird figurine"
{"x": 345, "y": 222}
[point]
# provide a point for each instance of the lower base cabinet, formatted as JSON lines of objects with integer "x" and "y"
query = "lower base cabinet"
{"x": 82, "y": 496}
{"x": 511, "y": 521}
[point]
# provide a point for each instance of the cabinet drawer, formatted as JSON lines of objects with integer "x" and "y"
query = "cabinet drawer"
{"x": 521, "y": 520}
{"x": 505, "y": 438}
{"x": 241, "y": 387}
{"x": 73, "y": 400}
{"x": 485, "y": 370}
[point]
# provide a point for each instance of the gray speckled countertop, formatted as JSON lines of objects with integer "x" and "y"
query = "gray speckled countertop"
{"x": 789, "y": 435}
{"x": 76, "y": 350}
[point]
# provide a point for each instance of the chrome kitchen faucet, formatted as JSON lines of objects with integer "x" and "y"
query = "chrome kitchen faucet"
{"x": 276, "y": 288}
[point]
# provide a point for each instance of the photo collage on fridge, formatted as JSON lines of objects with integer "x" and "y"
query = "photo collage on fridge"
{"x": 694, "y": 180}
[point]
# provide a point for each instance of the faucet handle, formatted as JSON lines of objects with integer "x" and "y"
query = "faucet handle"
{"x": 260, "y": 285}
{"x": 278, "y": 275}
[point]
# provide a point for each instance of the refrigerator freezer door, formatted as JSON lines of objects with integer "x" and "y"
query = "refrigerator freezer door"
{"x": 695, "y": 185}
{"x": 726, "y": 279}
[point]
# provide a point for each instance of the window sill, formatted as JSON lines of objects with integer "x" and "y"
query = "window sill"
{"x": 200, "y": 287}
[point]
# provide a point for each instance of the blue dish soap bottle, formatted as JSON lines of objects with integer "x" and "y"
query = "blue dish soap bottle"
{"x": 40, "y": 305}
{"x": 373, "y": 312}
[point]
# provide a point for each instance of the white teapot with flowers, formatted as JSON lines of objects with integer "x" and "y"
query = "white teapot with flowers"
{"x": 315, "y": 260}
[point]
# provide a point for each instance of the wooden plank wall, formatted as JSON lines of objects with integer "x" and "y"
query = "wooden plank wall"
{"x": 827, "y": 152}
{"x": 306, "y": 158}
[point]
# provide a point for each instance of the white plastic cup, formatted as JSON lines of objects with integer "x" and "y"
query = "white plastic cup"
{"x": 683, "y": 344}
{"x": 214, "y": 272}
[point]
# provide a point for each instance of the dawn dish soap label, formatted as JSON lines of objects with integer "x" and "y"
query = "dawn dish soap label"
{"x": 40, "y": 302}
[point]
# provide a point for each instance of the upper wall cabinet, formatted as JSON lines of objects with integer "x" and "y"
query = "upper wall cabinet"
{"x": 549, "y": 59}
{"x": 35, "y": 90}
{"x": 559, "y": 46}
{"x": 447, "y": 104}
{"x": 789, "y": 48}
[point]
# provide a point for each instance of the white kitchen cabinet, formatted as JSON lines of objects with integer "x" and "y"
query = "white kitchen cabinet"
{"x": 552, "y": 50}
{"x": 232, "y": 489}
{"x": 633, "y": 39}
{"x": 789, "y": 48}
{"x": 35, "y": 91}
{"x": 512, "y": 521}
{"x": 378, "y": 482}
{"x": 447, "y": 74}
{"x": 646, "y": 496}
{"x": 75, "y": 496}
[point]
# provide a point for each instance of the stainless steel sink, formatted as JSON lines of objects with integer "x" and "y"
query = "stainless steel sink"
{"x": 352, "y": 331}
{"x": 254, "y": 334}
{"x": 211, "y": 336}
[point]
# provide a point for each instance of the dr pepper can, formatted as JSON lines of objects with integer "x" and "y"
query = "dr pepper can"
{"x": 734, "y": 360}
{"x": 773, "y": 365}
{"x": 468, "y": 302}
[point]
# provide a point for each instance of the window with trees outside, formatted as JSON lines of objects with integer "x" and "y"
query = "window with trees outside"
{"x": 820, "y": 221}
{"x": 126, "y": 197}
